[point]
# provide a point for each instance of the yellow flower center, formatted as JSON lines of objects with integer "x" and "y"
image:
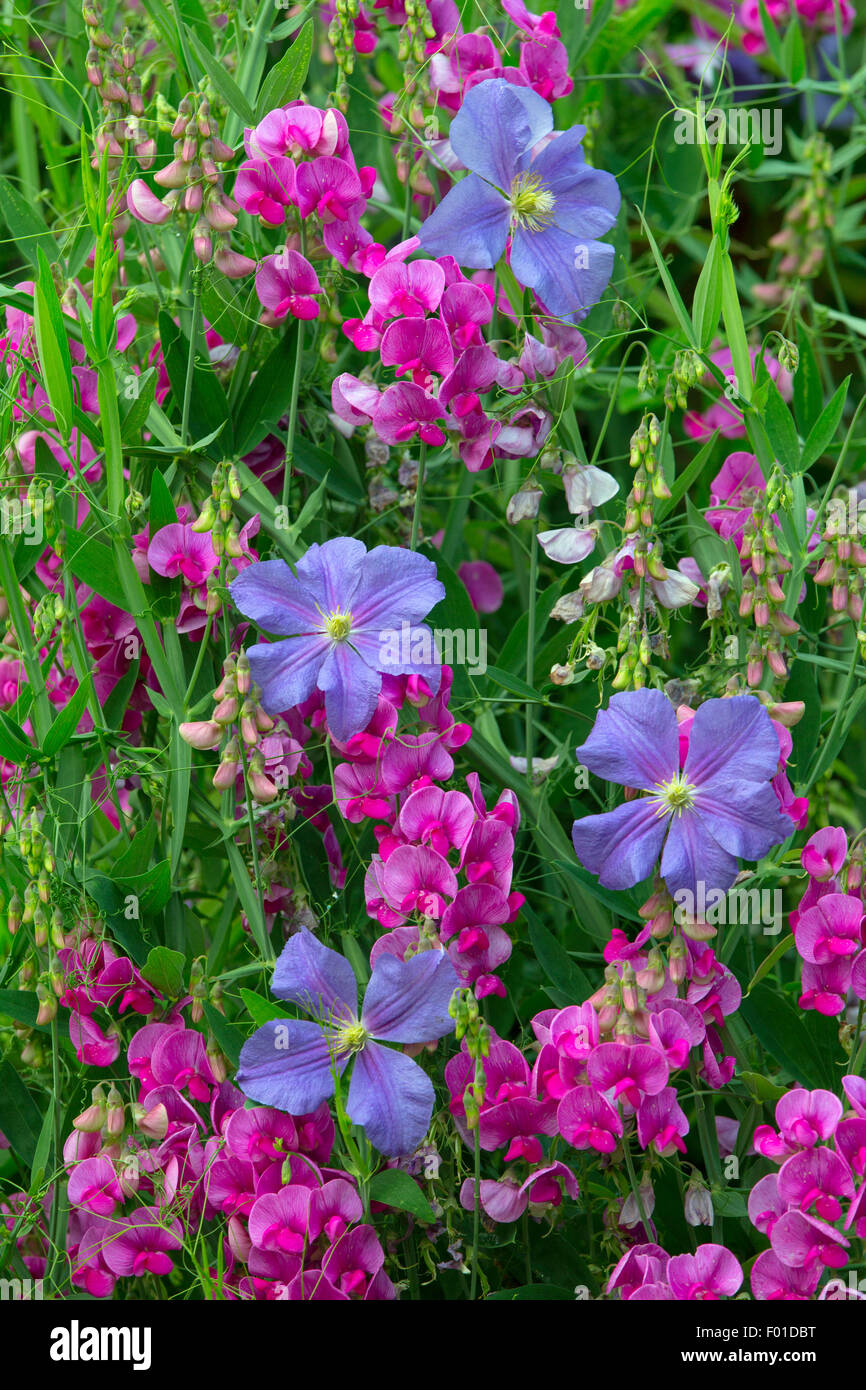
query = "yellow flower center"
{"x": 677, "y": 795}
{"x": 351, "y": 1038}
{"x": 338, "y": 625}
{"x": 531, "y": 205}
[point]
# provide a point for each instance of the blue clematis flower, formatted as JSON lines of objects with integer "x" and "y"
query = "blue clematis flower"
{"x": 290, "y": 1064}
{"x": 703, "y": 815}
{"x": 553, "y": 205}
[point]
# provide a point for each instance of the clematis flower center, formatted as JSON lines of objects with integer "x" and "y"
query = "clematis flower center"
{"x": 676, "y": 795}
{"x": 338, "y": 625}
{"x": 531, "y": 204}
{"x": 351, "y": 1038}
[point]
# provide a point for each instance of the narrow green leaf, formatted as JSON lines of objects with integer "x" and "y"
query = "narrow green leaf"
{"x": 52, "y": 345}
{"x": 687, "y": 478}
{"x": 708, "y": 296}
{"x": 20, "y": 1117}
{"x": 29, "y": 232}
{"x": 262, "y": 1010}
{"x": 286, "y": 80}
{"x": 230, "y": 1038}
{"x": 224, "y": 83}
{"x": 67, "y": 720}
{"x": 770, "y": 960}
{"x": 673, "y": 294}
{"x": 781, "y": 431}
{"x": 824, "y": 427}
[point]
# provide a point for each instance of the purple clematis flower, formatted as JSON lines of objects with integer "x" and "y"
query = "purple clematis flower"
{"x": 290, "y": 1064}
{"x": 549, "y": 201}
{"x": 350, "y": 615}
{"x": 701, "y": 817}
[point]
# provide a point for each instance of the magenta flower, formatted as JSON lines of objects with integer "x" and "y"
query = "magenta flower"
{"x": 139, "y": 1244}
{"x": 286, "y": 283}
{"x": 290, "y": 1064}
{"x": 550, "y": 203}
{"x": 405, "y": 410}
{"x": 179, "y": 550}
{"x": 336, "y": 612}
{"x": 831, "y": 930}
{"x": 816, "y": 1178}
{"x": 266, "y": 188}
{"x": 711, "y": 1273}
{"x": 775, "y": 1282}
{"x": 587, "y": 1121}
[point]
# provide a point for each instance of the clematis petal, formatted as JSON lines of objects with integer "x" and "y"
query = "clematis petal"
{"x": 496, "y": 125}
{"x": 287, "y": 671}
{"x": 691, "y": 854}
{"x": 291, "y": 1070}
{"x": 745, "y": 819}
{"x": 586, "y": 201}
{"x": 407, "y": 1001}
{"x": 634, "y": 741}
{"x": 620, "y": 846}
{"x": 471, "y": 224}
{"x": 736, "y": 732}
{"x": 392, "y": 1098}
{"x": 317, "y": 979}
{"x": 396, "y": 584}
{"x": 568, "y": 273}
{"x": 351, "y": 691}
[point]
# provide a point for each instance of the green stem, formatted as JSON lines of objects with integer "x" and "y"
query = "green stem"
{"x": 646, "y": 1220}
{"x": 476, "y": 1215}
{"x": 419, "y": 493}
{"x": 190, "y": 361}
{"x": 530, "y": 651}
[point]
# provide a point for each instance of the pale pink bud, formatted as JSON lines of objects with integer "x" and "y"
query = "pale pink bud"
{"x": 233, "y": 264}
{"x": 205, "y": 733}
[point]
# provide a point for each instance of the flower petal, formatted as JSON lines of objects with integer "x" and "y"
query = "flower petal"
{"x": 392, "y": 1098}
{"x": 497, "y": 124}
{"x": 407, "y": 1001}
{"x": 620, "y": 846}
{"x": 287, "y": 671}
{"x": 292, "y": 1069}
{"x": 395, "y": 584}
{"x": 691, "y": 854}
{"x": 634, "y": 741}
{"x": 351, "y": 691}
{"x": 471, "y": 224}
{"x": 730, "y": 735}
{"x": 317, "y": 979}
{"x": 568, "y": 273}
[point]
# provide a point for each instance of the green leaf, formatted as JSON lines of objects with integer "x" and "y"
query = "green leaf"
{"x": 285, "y": 81}
{"x": 805, "y": 1044}
{"x": 229, "y": 1037}
{"x": 268, "y": 395}
{"x": 780, "y": 428}
{"x": 764, "y": 1091}
{"x": 262, "y": 1010}
{"x": 394, "y": 1188}
{"x": 95, "y": 565}
{"x": 22, "y": 1005}
{"x": 209, "y": 410}
{"x": 673, "y": 294}
{"x": 224, "y": 83}
{"x": 140, "y": 405}
{"x": 808, "y": 392}
{"x": 560, "y": 969}
{"x": 13, "y": 743}
{"x": 771, "y": 34}
{"x": 44, "y": 1145}
{"x": 110, "y": 899}
{"x": 778, "y": 951}
{"x": 29, "y": 232}
{"x": 705, "y": 544}
{"x": 20, "y": 1117}
{"x": 67, "y": 720}
{"x": 707, "y": 304}
{"x": 152, "y": 888}
{"x": 824, "y": 427}
{"x": 164, "y": 969}
{"x": 793, "y": 51}
{"x": 52, "y": 345}
{"x": 512, "y": 683}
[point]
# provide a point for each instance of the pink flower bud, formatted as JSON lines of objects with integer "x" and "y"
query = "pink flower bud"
{"x": 202, "y": 734}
